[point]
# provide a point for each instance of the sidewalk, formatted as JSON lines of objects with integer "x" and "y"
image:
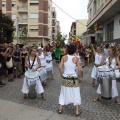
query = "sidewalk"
{"x": 15, "y": 111}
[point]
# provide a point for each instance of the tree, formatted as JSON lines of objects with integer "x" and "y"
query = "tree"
{"x": 61, "y": 38}
{"x": 6, "y": 28}
{"x": 24, "y": 35}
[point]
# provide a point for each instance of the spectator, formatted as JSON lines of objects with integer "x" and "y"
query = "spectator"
{"x": 17, "y": 61}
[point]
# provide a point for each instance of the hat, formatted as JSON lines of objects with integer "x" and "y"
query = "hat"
{"x": 31, "y": 74}
{"x": 39, "y": 48}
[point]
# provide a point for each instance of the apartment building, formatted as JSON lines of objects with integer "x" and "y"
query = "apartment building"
{"x": 104, "y": 19}
{"x": 58, "y": 27}
{"x": 35, "y": 15}
{"x": 78, "y": 28}
{"x": 54, "y": 23}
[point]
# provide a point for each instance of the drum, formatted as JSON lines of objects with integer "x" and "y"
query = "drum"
{"x": 31, "y": 78}
{"x": 105, "y": 81}
{"x": 42, "y": 73}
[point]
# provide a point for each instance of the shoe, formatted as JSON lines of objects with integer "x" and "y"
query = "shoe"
{"x": 1, "y": 83}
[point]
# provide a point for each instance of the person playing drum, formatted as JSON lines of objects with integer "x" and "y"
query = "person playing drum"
{"x": 32, "y": 62}
{"x": 43, "y": 73}
{"x": 111, "y": 62}
{"x": 70, "y": 89}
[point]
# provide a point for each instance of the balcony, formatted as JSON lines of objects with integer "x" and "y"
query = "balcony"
{"x": 22, "y": 8}
{"x": 22, "y": 22}
{"x": 105, "y": 13}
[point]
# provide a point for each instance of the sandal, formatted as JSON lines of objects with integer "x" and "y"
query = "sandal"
{"x": 77, "y": 114}
{"x": 59, "y": 111}
{"x": 24, "y": 97}
{"x": 117, "y": 102}
{"x": 96, "y": 99}
{"x": 43, "y": 98}
{"x": 93, "y": 84}
{"x": 9, "y": 80}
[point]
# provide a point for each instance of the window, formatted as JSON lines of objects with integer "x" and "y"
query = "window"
{"x": 33, "y": 28}
{"x": 53, "y": 37}
{"x": 13, "y": 4}
{"x": 95, "y": 6}
{"x": 24, "y": 16}
{"x": 110, "y": 31}
{"x": 33, "y": 15}
{"x": 34, "y": 3}
{"x": 3, "y": 4}
{"x": 13, "y": 16}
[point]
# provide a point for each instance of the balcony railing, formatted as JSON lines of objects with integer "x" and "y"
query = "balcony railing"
{"x": 22, "y": 8}
{"x": 22, "y": 21}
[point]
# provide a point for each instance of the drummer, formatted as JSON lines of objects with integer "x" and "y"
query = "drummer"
{"x": 111, "y": 62}
{"x": 49, "y": 66}
{"x": 98, "y": 60}
{"x": 43, "y": 73}
{"x": 32, "y": 62}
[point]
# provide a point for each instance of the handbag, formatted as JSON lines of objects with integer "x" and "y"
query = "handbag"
{"x": 9, "y": 64}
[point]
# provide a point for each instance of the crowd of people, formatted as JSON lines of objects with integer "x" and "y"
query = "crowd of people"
{"x": 35, "y": 63}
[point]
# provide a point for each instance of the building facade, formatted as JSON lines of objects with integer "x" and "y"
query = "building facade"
{"x": 78, "y": 28}
{"x": 104, "y": 19}
{"x": 54, "y": 23}
{"x": 35, "y": 15}
{"x": 58, "y": 27}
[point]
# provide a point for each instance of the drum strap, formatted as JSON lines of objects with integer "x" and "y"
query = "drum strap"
{"x": 32, "y": 62}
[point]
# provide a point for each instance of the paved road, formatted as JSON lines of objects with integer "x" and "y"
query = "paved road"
{"x": 103, "y": 110}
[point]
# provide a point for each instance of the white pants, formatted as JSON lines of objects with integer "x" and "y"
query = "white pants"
{"x": 114, "y": 89}
{"x": 27, "y": 82}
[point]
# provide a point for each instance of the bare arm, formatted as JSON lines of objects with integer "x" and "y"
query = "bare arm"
{"x": 93, "y": 49}
{"x": 60, "y": 66}
{"x": 118, "y": 62}
{"x": 103, "y": 61}
{"x": 39, "y": 64}
{"x": 26, "y": 62}
{"x": 79, "y": 68}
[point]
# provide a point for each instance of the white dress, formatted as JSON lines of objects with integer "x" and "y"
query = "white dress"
{"x": 42, "y": 70}
{"x": 27, "y": 82}
{"x": 70, "y": 95}
{"x": 114, "y": 86}
{"x": 98, "y": 60}
{"x": 49, "y": 66}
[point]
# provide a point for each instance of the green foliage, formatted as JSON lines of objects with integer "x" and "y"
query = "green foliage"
{"x": 24, "y": 35}
{"x": 6, "y": 28}
{"x": 61, "y": 38}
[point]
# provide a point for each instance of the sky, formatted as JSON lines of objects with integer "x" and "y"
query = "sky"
{"x": 75, "y": 8}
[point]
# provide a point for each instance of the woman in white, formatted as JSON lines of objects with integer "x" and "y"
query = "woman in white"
{"x": 49, "y": 63}
{"x": 43, "y": 73}
{"x": 98, "y": 60}
{"x": 32, "y": 62}
{"x": 111, "y": 62}
{"x": 70, "y": 89}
